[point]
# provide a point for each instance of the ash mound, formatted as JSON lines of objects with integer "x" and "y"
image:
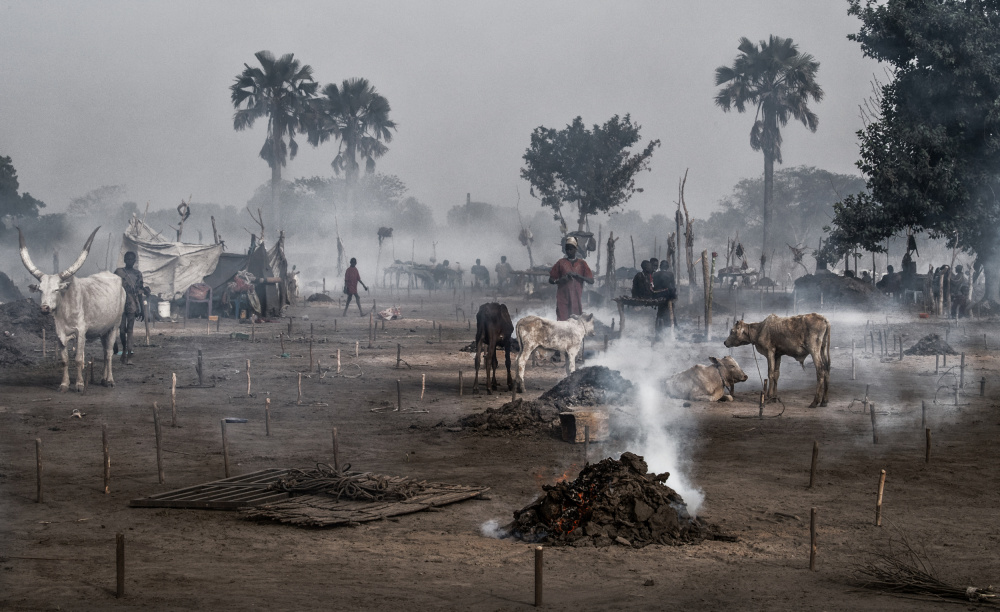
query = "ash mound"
{"x": 931, "y": 344}
{"x": 320, "y": 297}
{"x": 590, "y": 386}
{"x": 21, "y": 324}
{"x": 611, "y": 502}
{"x": 517, "y": 417}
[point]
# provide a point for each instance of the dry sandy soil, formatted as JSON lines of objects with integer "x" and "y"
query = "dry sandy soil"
{"x": 60, "y": 554}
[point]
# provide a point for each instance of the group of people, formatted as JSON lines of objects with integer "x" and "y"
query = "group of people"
{"x": 481, "y": 274}
{"x": 654, "y": 280}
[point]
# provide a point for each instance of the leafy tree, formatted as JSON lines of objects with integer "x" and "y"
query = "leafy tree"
{"x": 591, "y": 168}
{"x": 12, "y": 204}
{"x": 357, "y": 115}
{"x": 931, "y": 155}
{"x": 278, "y": 90}
{"x": 778, "y": 82}
{"x": 98, "y": 202}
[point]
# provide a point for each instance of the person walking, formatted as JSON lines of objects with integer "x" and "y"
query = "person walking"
{"x": 570, "y": 273}
{"x": 351, "y": 279}
{"x": 135, "y": 291}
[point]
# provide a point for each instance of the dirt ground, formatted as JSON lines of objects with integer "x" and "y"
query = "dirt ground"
{"x": 60, "y": 554}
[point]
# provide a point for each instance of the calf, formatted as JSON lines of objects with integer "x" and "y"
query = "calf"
{"x": 565, "y": 336}
{"x": 707, "y": 383}
{"x": 798, "y": 337}
{"x": 493, "y": 329}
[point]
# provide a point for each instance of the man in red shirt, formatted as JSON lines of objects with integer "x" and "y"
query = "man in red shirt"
{"x": 570, "y": 273}
{"x": 351, "y": 279}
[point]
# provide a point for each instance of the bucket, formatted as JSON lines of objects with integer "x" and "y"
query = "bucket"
{"x": 163, "y": 309}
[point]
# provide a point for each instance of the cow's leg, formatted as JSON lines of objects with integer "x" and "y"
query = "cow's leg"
{"x": 64, "y": 355}
{"x": 522, "y": 362}
{"x": 475, "y": 383}
{"x": 81, "y": 341}
{"x": 819, "y": 383}
{"x": 506, "y": 358}
{"x": 108, "y": 341}
{"x": 773, "y": 372}
{"x": 494, "y": 362}
{"x": 571, "y": 359}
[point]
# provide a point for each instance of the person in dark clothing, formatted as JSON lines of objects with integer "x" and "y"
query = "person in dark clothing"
{"x": 641, "y": 286}
{"x": 664, "y": 288}
{"x": 135, "y": 291}
{"x": 351, "y": 279}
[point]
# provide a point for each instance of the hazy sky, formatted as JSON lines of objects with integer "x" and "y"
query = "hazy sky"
{"x": 136, "y": 93}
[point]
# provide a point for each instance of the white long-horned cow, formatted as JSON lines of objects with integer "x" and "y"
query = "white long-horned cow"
{"x": 707, "y": 383}
{"x": 798, "y": 337}
{"x": 89, "y": 307}
{"x": 565, "y": 336}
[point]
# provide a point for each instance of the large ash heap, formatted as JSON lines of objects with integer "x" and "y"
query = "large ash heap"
{"x": 611, "y": 502}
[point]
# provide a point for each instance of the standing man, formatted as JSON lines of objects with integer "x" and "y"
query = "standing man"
{"x": 351, "y": 279}
{"x": 480, "y": 274}
{"x": 504, "y": 272}
{"x": 569, "y": 274}
{"x": 134, "y": 292}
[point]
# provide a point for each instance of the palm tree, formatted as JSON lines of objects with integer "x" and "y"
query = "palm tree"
{"x": 778, "y": 81}
{"x": 357, "y": 115}
{"x": 279, "y": 90}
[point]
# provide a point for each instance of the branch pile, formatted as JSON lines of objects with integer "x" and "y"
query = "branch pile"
{"x": 339, "y": 485}
{"x": 931, "y": 344}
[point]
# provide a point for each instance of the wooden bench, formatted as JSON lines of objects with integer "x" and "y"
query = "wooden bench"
{"x": 657, "y": 303}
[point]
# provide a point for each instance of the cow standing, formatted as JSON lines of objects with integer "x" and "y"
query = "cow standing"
{"x": 798, "y": 337}
{"x": 493, "y": 330}
{"x": 565, "y": 336}
{"x": 714, "y": 383}
{"x": 89, "y": 307}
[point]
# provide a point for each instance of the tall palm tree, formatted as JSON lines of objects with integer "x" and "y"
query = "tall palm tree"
{"x": 358, "y": 116}
{"x": 279, "y": 90}
{"x": 779, "y": 81}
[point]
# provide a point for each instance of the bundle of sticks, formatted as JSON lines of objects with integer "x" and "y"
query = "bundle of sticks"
{"x": 326, "y": 480}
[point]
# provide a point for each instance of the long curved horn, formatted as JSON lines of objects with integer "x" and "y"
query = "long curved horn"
{"x": 26, "y": 259}
{"x": 70, "y": 271}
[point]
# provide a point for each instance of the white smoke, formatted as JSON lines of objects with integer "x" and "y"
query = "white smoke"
{"x": 491, "y": 529}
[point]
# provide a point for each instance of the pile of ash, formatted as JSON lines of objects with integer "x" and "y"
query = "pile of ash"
{"x": 611, "y": 502}
{"x": 320, "y": 297}
{"x": 590, "y": 386}
{"x": 517, "y": 417}
{"x": 931, "y": 344}
{"x": 21, "y": 324}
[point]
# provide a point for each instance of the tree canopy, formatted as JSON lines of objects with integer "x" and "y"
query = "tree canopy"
{"x": 13, "y": 204}
{"x": 593, "y": 168}
{"x": 930, "y": 152}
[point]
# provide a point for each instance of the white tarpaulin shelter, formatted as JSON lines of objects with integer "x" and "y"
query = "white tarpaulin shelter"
{"x": 168, "y": 268}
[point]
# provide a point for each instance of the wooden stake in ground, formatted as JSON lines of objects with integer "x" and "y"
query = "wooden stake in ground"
{"x": 812, "y": 539}
{"x": 423, "y": 385}
{"x": 248, "y": 378}
{"x": 281, "y": 339}
{"x": 538, "y": 576}
{"x": 399, "y": 350}
{"x": 356, "y": 345}
{"x": 336, "y": 452}
{"x": 38, "y": 470}
{"x": 460, "y": 389}
{"x": 120, "y": 565}
{"x": 961, "y": 373}
{"x": 310, "y": 354}
{"x": 299, "y": 400}
{"x": 878, "y": 501}
{"x": 267, "y": 416}
{"x": 812, "y": 468}
{"x": 338, "y": 361}
{"x": 371, "y": 328}
{"x": 43, "y": 343}
{"x": 871, "y": 408}
{"x": 225, "y": 447}
{"x": 927, "y": 449}
{"x": 107, "y": 458}
{"x": 923, "y": 413}
{"x": 173, "y": 399}
{"x": 159, "y": 442}
{"x": 200, "y": 370}
{"x": 399, "y": 396}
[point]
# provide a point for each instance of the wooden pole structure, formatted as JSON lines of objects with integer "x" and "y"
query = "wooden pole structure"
{"x": 159, "y": 443}
{"x": 871, "y": 408}
{"x": 812, "y": 468}
{"x": 299, "y": 399}
{"x": 356, "y": 345}
{"x": 201, "y": 371}
{"x": 38, "y": 470}
{"x": 460, "y": 385}
{"x": 923, "y": 413}
{"x": 423, "y": 385}
{"x": 267, "y": 416}
{"x": 338, "y": 361}
{"x": 120, "y": 565}
{"x": 878, "y": 501}
{"x": 538, "y": 576}
{"x": 173, "y": 399}
{"x": 399, "y": 350}
{"x": 961, "y": 373}
{"x": 107, "y": 458}
{"x": 937, "y": 360}
{"x": 336, "y": 452}
{"x": 812, "y": 539}
{"x": 927, "y": 450}
{"x": 708, "y": 296}
{"x": 225, "y": 447}
{"x": 399, "y": 396}
{"x": 248, "y": 378}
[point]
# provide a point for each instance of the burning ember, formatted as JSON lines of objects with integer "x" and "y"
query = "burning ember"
{"x": 614, "y": 501}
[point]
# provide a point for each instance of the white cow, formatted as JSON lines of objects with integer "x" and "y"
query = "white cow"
{"x": 89, "y": 307}
{"x": 565, "y": 336}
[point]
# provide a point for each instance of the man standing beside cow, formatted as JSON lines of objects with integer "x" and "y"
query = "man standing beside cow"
{"x": 135, "y": 291}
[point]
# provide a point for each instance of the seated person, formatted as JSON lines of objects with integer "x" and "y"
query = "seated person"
{"x": 641, "y": 288}
{"x": 480, "y": 274}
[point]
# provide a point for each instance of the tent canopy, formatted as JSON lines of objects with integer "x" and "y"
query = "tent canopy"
{"x": 168, "y": 268}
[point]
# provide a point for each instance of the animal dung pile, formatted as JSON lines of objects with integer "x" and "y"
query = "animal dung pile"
{"x": 590, "y": 386}
{"x": 611, "y": 502}
{"x": 518, "y": 416}
{"x": 931, "y": 344}
{"x": 21, "y": 324}
{"x": 320, "y": 297}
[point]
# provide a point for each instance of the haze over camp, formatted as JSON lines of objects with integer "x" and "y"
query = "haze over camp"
{"x": 484, "y": 305}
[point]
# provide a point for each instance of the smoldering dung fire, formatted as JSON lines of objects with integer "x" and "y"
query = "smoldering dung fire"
{"x": 615, "y": 501}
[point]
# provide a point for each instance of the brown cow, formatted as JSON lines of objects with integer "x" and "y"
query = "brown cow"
{"x": 493, "y": 329}
{"x": 798, "y": 337}
{"x": 707, "y": 383}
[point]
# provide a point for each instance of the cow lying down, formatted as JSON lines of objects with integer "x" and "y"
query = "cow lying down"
{"x": 565, "y": 336}
{"x": 707, "y": 383}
